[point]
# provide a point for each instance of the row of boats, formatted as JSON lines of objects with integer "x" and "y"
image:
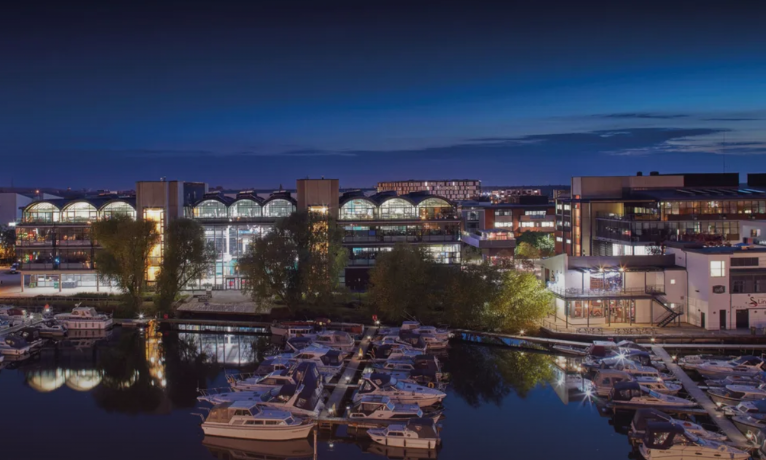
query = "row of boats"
{"x": 397, "y": 397}
{"x": 22, "y": 333}
{"x": 628, "y": 377}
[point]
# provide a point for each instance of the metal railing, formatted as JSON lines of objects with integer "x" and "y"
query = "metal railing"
{"x": 623, "y": 292}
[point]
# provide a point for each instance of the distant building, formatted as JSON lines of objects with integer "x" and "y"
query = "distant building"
{"x": 637, "y": 215}
{"x": 11, "y": 204}
{"x": 454, "y": 189}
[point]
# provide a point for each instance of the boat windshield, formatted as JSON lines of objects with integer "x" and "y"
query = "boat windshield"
{"x": 390, "y": 406}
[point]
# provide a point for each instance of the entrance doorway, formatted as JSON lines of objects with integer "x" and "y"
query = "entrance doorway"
{"x": 722, "y": 319}
{"x": 702, "y": 320}
{"x": 743, "y": 319}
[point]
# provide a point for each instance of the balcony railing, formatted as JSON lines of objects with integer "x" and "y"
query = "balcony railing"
{"x": 399, "y": 238}
{"x": 648, "y": 290}
{"x": 627, "y": 217}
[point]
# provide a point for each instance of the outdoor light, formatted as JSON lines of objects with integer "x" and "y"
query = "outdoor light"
{"x": 652, "y": 339}
{"x": 521, "y": 332}
{"x": 140, "y": 316}
{"x": 348, "y": 378}
{"x": 673, "y": 357}
{"x": 621, "y": 356}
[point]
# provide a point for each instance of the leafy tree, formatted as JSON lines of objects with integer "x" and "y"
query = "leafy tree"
{"x": 540, "y": 240}
{"x": 124, "y": 258}
{"x": 468, "y": 292}
{"x": 185, "y": 259}
{"x": 522, "y": 300}
{"x": 300, "y": 260}
{"x": 402, "y": 283}
{"x": 525, "y": 251}
{"x": 7, "y": 244}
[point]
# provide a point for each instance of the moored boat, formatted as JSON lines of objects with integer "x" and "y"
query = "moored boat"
{"x": 246, "y": 420}
{"x": 398, "y": 392}
{"x": 663, "y": 440}
{"x": 420, "y": 433}
{"x": 735, "y": 394}
{"x": 630, "y": 395}
{"x": 643, "y": 417}
{"x": 84, "y": 318}
{"x": 381, "y": 408}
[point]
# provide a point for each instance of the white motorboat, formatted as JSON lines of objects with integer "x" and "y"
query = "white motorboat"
{"x": 578, "y": 383}
{"x": 51, "y": 328}
{"x": 735, "y": 394}
{"x": 417, "y": 328}
{"x": 84, "y": 318}
{"x": 434, "y": 343}
{"x": 292, "y": 329}
{"x": 658, "y": 385}
{"x": 397, "y": 392}
{"x": 750, "y": 425}
{"x": 748, "y": 366}
{"x": 274, "y": 363}
{"x": 605, "y": 380}
{"x": 746, "y": 408}
{"x": 304, "y": 398}
{"x": 643, "y": 417}
{"x": 630, "y": 395}
{"x": 666, "y": 441}
{"x": 419, "y": 433}
{"x": 14, "y": 315}
{"x": 292, "y": 376}
{"x": 246, "y": 420}
{"x": 329, "y": 362}
{"x": 397, "y": 351}
{"x": 382, "y": 408}
{"x": 294, "y": 344}
{"x": 738, "y": 380}
{"x": 13, "y": 345}
{"x": 690, "y": 362}
{"x": 638, "y": 370}
{"x": 337, "y": 340}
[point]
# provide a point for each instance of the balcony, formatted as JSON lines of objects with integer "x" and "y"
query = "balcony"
{"x": 376, "y": 239}
{"x": 627, "y": 217}
{"x": 489, "y": 239}
{"x": 579, "y": 293}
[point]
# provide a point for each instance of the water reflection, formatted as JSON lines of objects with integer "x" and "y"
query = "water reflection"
{"x": 485, "y": 374}
{"x": 235, "y": 449}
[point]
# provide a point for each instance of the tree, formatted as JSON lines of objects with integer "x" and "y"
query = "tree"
{"x": 402, "y": 283}
{"x": 300, "y": 260}
{"x": 525, "y": 251}
{"x": 185, "y": 259}
{"x": 522, "y": 300}
{"x": 7, "y": 244}
{"x": 468, "y": 292}
{"x": 124, "y": 258}
{"x": 540, "y": 240}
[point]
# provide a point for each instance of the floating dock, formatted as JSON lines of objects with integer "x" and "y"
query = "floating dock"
{"x": 330, "y": 415}
{"x": 726, "y": 426}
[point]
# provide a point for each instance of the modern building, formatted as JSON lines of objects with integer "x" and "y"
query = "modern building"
{"x": 453, "y": 189}
{"x": 375, "y": 224}
{"x": 530, "y": 213}
{"x": 54, "y": 244}
{"x": 11, "y": 204}
{"x": 712, "y": 287}
{"x": 638, "y": 215}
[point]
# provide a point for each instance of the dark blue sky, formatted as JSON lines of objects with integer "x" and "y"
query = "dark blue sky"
{"x": 258, "y": 93}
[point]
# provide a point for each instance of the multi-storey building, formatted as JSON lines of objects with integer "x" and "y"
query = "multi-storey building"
{"x": 374, "y": 224}
{"x": 638, "y": 215}
{"x": 453, "y": 189}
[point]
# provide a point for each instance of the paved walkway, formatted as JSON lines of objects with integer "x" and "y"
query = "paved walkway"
{"x": 728, "y": 428}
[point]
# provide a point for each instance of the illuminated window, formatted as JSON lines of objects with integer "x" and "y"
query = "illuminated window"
{"x": 717, "y": 268}
{"x": 210, "y": 209}
{"x": 278, "y": 208}
{"x": 118, "y": 208}
{"x": 79, "y": 212}
{"x": 672, "y": 281}
{"x": 397, "y": 208}
{"x": 245, "y": 208}
{"x": 357, "y": 210}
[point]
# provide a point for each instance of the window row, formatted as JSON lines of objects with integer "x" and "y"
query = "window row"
{"x": 396, "y": 208}
{"x": 79, "y": 211}
{"x": 748, "y": 284}
{"x": 713, "y": 207}
{"x": 214, "y": 209}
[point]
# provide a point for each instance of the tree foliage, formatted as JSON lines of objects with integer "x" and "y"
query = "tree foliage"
{"x": 185, "y": 259}
{"x": 126, "y": 245}
{"x": 541, "y": 241}
{"x": 402, "y": 283}
{"x": 7, "y": 244}
{"x": 525, "y": 251}
{"x": 300, "y": 260}
{"x": 521, "y": 301}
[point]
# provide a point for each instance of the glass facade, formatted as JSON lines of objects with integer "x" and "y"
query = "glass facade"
{"x": 42, "y": 212}
{"x": 210, "y": 209}
{"x": 230, "y": 243}
{"x": 117, "y": 208}
{"x": 245, "y": 208}
{"x": 435, "y": 208}
{"x": 397, "y": 208}
{"x": 278, "y": 208}
{"x": 357, "y": 209}
{"x": 79, "y": 212}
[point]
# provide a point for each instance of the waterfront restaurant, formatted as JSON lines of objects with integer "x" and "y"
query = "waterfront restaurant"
{"x": 615, "y": 291}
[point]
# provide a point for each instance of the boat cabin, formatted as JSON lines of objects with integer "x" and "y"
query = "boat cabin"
{"x": 84, "y": 312}
{"x": 606, "y": 379}
{"x": 664, "y": 435}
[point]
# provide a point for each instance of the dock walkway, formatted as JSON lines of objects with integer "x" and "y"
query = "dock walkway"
{"x": 332, "y": 410}
{"x": 728, "y": 428}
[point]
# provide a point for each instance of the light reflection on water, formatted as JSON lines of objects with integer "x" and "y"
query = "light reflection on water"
{"x": 141, "y": 386}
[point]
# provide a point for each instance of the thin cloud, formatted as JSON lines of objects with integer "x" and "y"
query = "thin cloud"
{"x": 643, "y": 115}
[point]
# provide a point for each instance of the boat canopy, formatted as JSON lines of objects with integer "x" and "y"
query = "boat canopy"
{"x": 643, "y": 417}
{"x": 423, "y": 426}
{"x": 748, "y": 360}
{"x": 380, "y": 379}
{"x": 660, "y": 435}
{"x": 625, "y": 391}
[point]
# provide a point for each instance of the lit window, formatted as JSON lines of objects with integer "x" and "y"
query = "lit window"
{"x": 717, "y": 268}
{"x": 559, "y": 239}
{"x": 672, "y": 281}
{"x": 546, "y": 224}
{"x": 569, "y": 241}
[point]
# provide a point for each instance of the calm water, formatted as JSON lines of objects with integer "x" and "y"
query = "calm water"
{"x": 129, "y": 396}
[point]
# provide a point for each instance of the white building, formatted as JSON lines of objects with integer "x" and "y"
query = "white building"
{"x": 726, "y": 287}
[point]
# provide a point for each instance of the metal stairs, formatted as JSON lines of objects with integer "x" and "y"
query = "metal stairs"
{"x": 671, "y": 313}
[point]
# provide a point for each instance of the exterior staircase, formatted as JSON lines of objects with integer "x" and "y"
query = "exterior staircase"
{"x": 670, "y": 314}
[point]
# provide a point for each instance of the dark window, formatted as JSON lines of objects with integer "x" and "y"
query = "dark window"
{"x": 744, "y": 262}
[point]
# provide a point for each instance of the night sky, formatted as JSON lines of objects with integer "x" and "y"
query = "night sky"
{"x": 260, "y": 93}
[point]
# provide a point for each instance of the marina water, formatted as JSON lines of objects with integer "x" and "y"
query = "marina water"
{"x": 125, "y": 395}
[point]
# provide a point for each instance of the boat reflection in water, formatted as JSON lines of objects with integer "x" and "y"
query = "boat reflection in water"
{"x": 403, "y": 453}
{"x": 240, "y": 449}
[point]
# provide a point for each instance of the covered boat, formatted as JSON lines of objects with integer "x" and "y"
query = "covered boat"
{"x": 643, "y": 417}
{"x": 419, "y": 433}
{"x": 664, "y": 440}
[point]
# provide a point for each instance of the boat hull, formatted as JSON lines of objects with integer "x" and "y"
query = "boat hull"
{"x": 746, "y": 427}
{"x": 261, "y": 433}
{"x": 415, "y": 443}
{"x": 688, "y": 453}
